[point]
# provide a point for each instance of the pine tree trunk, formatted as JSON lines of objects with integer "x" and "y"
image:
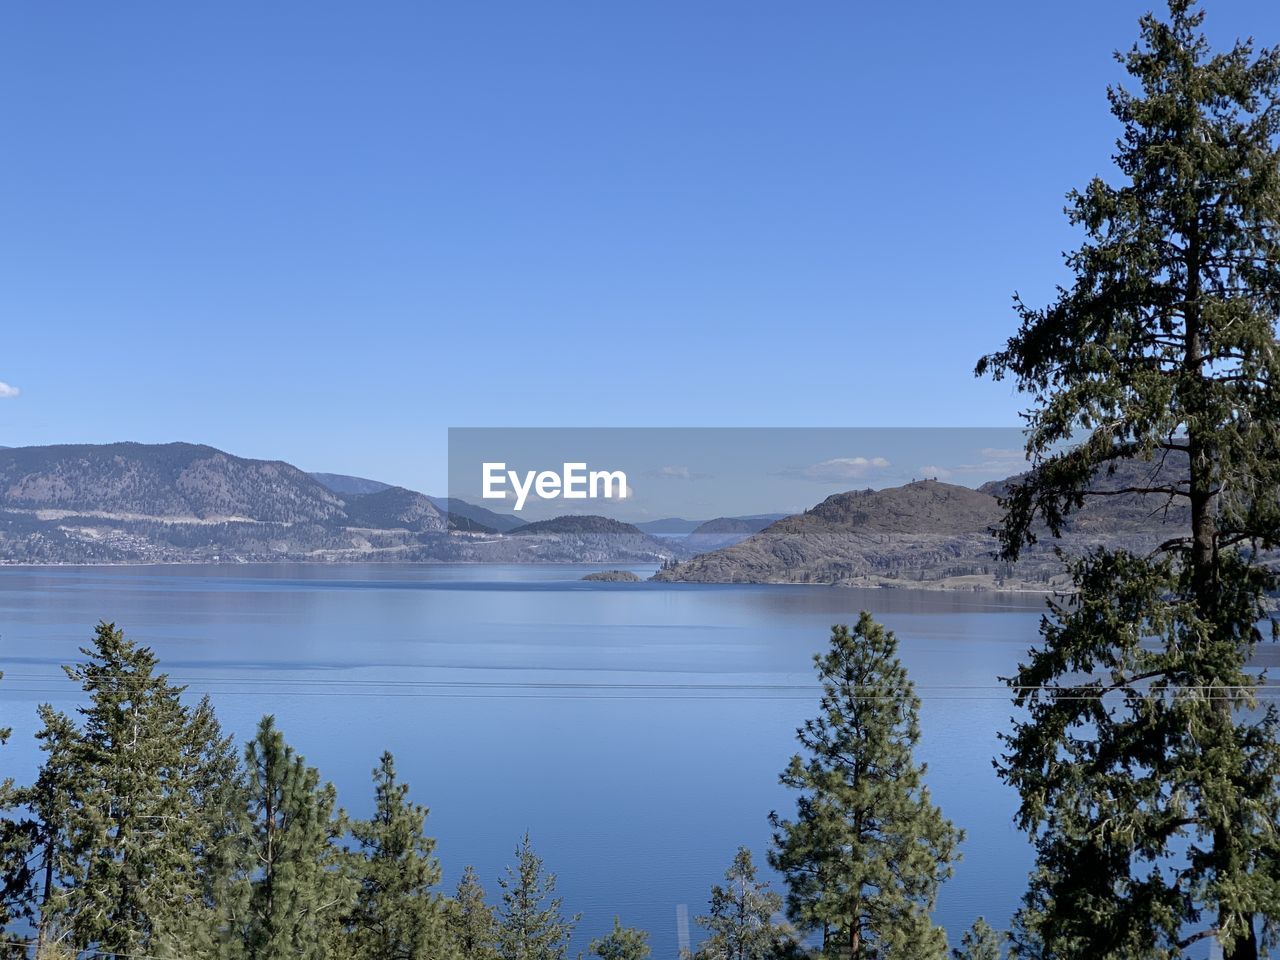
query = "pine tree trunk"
{"x": 1202, "y": 462}
{"x": 45, "y": 895}
{"x": 1246, "y": 948}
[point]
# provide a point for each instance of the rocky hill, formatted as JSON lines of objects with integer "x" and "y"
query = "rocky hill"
{"x": 925, "y": 533}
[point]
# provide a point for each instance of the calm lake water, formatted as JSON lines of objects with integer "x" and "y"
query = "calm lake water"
{"x": 635, "y": 730}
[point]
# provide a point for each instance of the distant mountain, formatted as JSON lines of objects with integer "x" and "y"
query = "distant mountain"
{"x": 461, "y": 515}
{"x": 668, "y": 526}
{"x": 395, "y": 507}
{"x": 182, "y": 502}
{"x": 726, "y": 531}
{"x": 172, "y": 481}
{"x": 577, "y": 524}
{"x": 342, "y": 484}
{"x": 1132, "y": 516}
{"x": 480, "y": 517}
{"x": 596, "y": 539}
{"x": 746, "y": 525}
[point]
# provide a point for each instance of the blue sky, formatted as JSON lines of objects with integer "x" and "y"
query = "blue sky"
{"x": 327, "y": 232}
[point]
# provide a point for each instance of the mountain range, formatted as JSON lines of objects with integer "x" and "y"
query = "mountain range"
{"x": 182, "y": 502}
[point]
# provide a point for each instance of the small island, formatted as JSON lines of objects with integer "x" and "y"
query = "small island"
{"x": 613, "y": 576}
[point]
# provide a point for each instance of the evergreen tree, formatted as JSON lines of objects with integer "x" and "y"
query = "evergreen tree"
{"x": 623, "y": 943}
{"x": 119, "y": 815}
{"x": 979, "y": 942}
{"x": 472, "y": 924}
{"x": 531, "y": 924}
{"x": 214, "y": 779}
{"x": 51, "y": 800}
{"x": 291, "y": 902}
{"x": 739, "y": 922}
{"x": 397, "y": 915}
{"x": 1147, "y": 772}
{"x": 865, "y": 855}
{"x": 17, "y": 840}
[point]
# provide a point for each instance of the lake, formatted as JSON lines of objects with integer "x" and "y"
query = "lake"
{"x": 635, "y": 730}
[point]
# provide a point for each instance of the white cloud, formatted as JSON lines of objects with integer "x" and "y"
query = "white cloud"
{"x": 840, "y": 469}
{"x": 8, "y": 390}
{"x": 934, "y": 472}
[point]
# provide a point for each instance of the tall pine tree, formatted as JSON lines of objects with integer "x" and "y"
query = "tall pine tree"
{"x": 17, "y": 841}
{"x": 867, "y": 850}
{"x": 50, "y": 801}
{"x": 118, "y": 812}
{"x": 397, "y": 914}
{"x": 294, "y": 891}
{"x": 214, "y": 780}
{"x": 1147, "y": 771}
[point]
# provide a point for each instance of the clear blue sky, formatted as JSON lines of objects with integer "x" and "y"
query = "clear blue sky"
{"x": 325, "y": 232}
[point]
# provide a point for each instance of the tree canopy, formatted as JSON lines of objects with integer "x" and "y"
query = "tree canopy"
{"x": 1146, "y": 766}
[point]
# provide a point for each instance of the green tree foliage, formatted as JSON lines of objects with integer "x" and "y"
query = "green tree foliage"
{"x": 122, "y": 811}
{"x": 1146, "y": 769}
{"x": 867, "y": 850}
{"x": 50, "y": 800}
{"x": 531, "y": 921}
{"x": 52, "y": 951}
{"x": 397, "y": 914}
{"x": 217, "y": 794}
{"x": 146, "y": 835}
{"x": 739, "y": 921}
{"x": 17, "y": 840}
{"x": 471, "y": 920}
{"x": 622, "y": 943}
{"x": 980, "y": 942}
{"x": 293, "y": 893}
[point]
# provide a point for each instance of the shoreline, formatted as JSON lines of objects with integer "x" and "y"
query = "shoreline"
{"x": 886, "y": 585}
